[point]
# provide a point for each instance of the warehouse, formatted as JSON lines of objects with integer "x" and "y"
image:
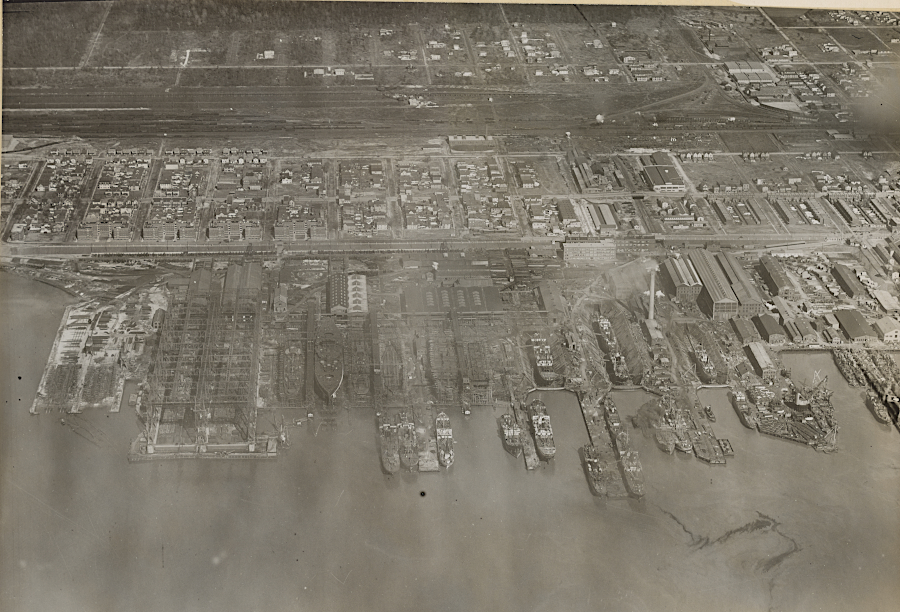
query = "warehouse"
{"x": 888, "y": 329}
{"x": 744, "y": 329}
{"x": 680, "y": 279}
{"x": 761, "y": 361}
{"x": 846, "y": 278}
{"x": 717, "y": 300}
{"x": 776, "y": 278}
{"x": 750, "y": 302}
{"x": 854, "y": 325}
{"x": 769, "y": 329}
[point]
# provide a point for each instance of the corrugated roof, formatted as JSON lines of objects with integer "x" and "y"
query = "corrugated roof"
{"x": 854, "y": 324}
{"x": 743, "y": 287}
{"x": 712, "y": 277}
{"x": 776, "y": 272}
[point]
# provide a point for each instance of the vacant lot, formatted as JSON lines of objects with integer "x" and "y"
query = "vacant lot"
{"x": 755, "y": 142}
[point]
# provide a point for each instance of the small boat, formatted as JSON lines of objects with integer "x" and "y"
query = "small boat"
{"x": 708, "y": 411}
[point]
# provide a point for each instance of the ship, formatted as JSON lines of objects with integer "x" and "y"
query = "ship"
{"x": 409, "y": 443}
{"x": 444, "y": 436}
{"x": 543, "y": 432}
{"x": 544, "y": 374}
{"x": 706, "y": 369}
{"x": 619, "y": 372}
{"x": 665, "y": 439}
{"x": 744, "y": 410}
{"x": 512, "y": 435}
{"x": 878, "y": 407}
{"x": 683, "y": 440}
{"x": 633, "y": 473}
{"x": 612, "y": 417}
{"x": 290, "y": 363}
{"x": 708, "y": 411}
{"x": 390, "y": 445}
{"x": 360, "y": 368}
{"x": 606, "y": 338}
{"x": 595, "y": 468}
{"x": 329, "y": 359}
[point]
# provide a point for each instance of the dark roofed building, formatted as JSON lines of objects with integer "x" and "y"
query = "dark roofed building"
{"x": 769, "y": 329}
{"x": 806, "y": 329}
{"x": 551, "y": 300}
{"x": 776, "y": 278}
{"x": 716, "y": 299}
{"x": 761, "y": 361}
{"x": 745, "y": 330}
{"x": 680, "y": 279}
{"x": 750, "y": 302}
{"x": 336, "y": 295}
{"x": 846, "y": 278}
{"x": 854, "y": 325}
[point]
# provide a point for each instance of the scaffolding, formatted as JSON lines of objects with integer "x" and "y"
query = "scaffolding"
{"x": 204, "y": 378}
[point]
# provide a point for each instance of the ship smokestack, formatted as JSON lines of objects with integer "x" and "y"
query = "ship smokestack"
{"x": 652, "y": 292}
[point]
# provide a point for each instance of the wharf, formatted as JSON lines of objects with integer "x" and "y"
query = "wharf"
{"x": 599, "y": 434}
{"x": 428, "y": 457}
{"x": 137, "y": 453}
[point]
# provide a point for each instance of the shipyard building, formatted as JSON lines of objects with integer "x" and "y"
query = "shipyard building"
{"x": 776, "y": 278}
{"x": 681, "y": 280}
{"x": 727, "y": 289}
{"x": 761, "y": 361}
{"x": 846, "y": 278}
{"x": 854, "y": 325}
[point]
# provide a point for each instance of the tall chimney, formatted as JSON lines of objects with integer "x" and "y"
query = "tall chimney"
{"x": 652, "y": 292}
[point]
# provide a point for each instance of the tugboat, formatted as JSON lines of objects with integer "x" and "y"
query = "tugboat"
{"x": 708, "y": 411}
{"x": 409, "y": 444}
{"x": 634, "y": 473}
{"x": 512, "y": 435}
{"x": 329, "y": 359}
{"x": 543, "y": 432}
{"x": 390, "y": 445}
{"x": 444, "y": 439}
{"x": 594, "y": 467}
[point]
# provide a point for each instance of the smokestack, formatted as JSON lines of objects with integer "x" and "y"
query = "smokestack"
{"x": 652, "y": 292}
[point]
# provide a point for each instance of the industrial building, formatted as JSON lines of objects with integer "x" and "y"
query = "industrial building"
{"x": 769, "y": 329}
{"x": 716, "y": 300}
{"x": 744, "y": 329}
{"x": 847, "y": 280}
{"x": 357, "y": 294}
{"x": 776, "y": 278}
{"x": 888, "y": 329}
{"x": 750, "y": 302}
{"x": 761, "y": 361}
{"x": 589, "y": 249}
{"x": 854, "y": 325}
{"x": 550, "y": 299}
{"x": 680, "y": 279}
{"x": 336, "y": 295}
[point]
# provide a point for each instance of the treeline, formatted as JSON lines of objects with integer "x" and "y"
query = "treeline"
{"x": 206, "y": 15}
{"x": 48, "y": 33}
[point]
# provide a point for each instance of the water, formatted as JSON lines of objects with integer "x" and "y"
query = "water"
{"x": 322, "y": 528}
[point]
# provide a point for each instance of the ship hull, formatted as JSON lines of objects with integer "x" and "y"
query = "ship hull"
{"x": 329, "y": 356}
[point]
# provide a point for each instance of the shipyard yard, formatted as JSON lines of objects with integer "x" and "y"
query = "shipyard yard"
{"x": 482, "y": 302}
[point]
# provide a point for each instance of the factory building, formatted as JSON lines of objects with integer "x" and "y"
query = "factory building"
{"x": 336, "y": 294}
{"x": 854, "y": 325}
{"x": 761, "y": 361}
{"x": 716, "y": 300}
{"x": 776, "y": 278}
{"x": 357, "y": 294}
{"x": 744, "y": 329}
{"x": 750, "y": 302}
{"x": 769, "y": 329}
{"x": 888, "y": 329}
{"x": 680, "y": 279}
{"x": 847, "y": 280}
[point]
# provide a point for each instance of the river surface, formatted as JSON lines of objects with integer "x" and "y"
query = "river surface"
{"x": 321, "y": 528}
